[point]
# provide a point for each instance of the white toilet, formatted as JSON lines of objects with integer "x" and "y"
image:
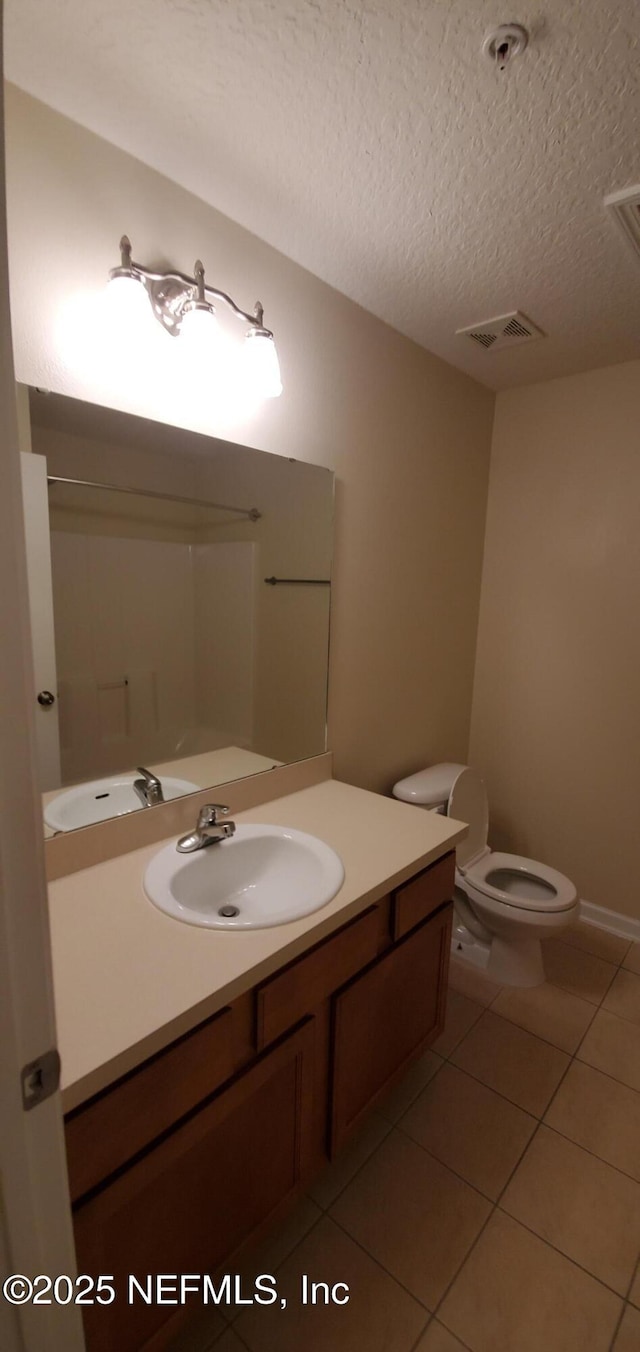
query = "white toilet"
{"x": 505, "y": 904}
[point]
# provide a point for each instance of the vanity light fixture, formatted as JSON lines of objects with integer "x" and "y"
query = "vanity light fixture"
{"x": 184, "y": 307}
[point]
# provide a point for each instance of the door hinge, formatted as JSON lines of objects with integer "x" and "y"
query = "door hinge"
{"x": 40, "y": 1079}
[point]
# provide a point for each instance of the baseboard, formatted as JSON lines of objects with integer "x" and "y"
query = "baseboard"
{"x": 626, "y": 926}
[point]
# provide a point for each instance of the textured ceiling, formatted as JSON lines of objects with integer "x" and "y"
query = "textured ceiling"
{"x": 374, "y": 144}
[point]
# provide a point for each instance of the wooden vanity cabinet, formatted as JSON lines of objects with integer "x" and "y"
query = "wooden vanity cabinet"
{"x": 179, "y": 1164}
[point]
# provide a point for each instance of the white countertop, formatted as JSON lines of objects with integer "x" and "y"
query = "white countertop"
{"x": 129, "y": 979}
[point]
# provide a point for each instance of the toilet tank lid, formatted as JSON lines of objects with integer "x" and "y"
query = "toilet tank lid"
{"x": 428, "y": 787}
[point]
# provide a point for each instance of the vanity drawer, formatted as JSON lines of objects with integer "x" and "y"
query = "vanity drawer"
{"x": 307, "y": 981}
{"x": 105, "y": 1133}
{"x": 424, "y": 894}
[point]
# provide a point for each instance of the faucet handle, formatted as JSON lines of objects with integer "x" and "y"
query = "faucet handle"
{"x": 208, "y": 815}
{"x": 148, "y": 776}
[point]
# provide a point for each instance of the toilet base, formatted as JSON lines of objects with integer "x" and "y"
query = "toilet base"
{"x": 512, "y": 962}
{"x": 464, "y": 945}
{"x": 516, "y": 962}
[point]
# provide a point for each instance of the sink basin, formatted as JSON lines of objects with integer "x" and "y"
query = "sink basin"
{"x": 261, "y": 876}
{"x": 103, "y": 798}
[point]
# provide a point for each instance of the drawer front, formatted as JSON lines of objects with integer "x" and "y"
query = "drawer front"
{"x": 107, "y": 1132}
{"x": 385, "y": 1018}
{"x": 301, "y": 986}
{"x": 419, "y": 898}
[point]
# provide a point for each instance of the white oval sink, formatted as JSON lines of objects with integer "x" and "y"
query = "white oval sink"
{"x": 262, "y": 876}
{"x": 100, "y": 799}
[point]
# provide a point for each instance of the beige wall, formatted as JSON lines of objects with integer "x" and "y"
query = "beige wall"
{"x": 408, "y": 436}
{"x": 556, "y": 711}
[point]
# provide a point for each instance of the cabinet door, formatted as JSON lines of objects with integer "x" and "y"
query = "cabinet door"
{"x": 196, "y": 1196}
{"x": 384, "y": 1018}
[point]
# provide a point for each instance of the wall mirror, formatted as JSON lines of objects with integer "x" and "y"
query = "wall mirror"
{"x": 179, "y": 589}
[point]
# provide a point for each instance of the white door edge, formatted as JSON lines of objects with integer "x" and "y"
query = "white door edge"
{"x": 37, "y": 1229}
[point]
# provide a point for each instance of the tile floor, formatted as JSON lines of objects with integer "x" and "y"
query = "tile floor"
{"x": 492, "y": 1202}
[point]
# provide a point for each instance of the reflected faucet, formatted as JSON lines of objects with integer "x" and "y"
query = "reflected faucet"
{"x": 148, "y": 788}
{"x": 209, "y": 831}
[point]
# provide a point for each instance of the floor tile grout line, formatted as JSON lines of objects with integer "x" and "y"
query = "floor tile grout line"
{"x": 561, "y": 1081}
{"x": 592, "y": 1153}
{"x": 363, "y": 1248}
{"x": 635, "y": 1023}
{"x": 276, "y": 1266}
{"x": 237, "y": 1335}
{"x": 466, "y": 1258}
{"x": 418, "y": 1093}
{"x": 484, "y": 1009}
{"x": 434, "y": 1320}
{"x": 326, "y": 1209}
{"x": 474, "y": 1187}
{"x": 421, "y": 1334}
{"x": 517, "y": 1166}
{"x": 606, "y": 961}
{"x": 539, "y": 1117}
{"x": 617, "y": 1328}
{"x": 597, "y": 1003}
{"x": 588, "y": 1003}
{"x": 564, "y": 943}
{"x": 607, "y": 1073}
{"x": 507, "y": 1019}
{"x": 561, "y": 1252}
{"x": 446, "y": 1055}
{"x": 579, "y": 949}
{"x": 636, "y": 1273}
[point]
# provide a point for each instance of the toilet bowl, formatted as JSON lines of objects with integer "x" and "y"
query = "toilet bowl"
{"x": 504, "y": 903}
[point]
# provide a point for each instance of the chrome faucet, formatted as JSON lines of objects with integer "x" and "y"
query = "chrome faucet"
{"x": 148, "y": 788}
{"x": 209, "y": 831}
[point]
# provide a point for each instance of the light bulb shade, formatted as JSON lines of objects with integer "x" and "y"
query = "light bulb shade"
{"x": 199, "y": 327}
{"x": 127, "y": 297}
{"x": 261, "y": 365}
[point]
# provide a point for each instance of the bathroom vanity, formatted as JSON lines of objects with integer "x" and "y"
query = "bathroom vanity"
{"x": 178, "y": 1162}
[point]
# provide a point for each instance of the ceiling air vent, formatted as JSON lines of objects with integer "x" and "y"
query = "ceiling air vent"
{"x": 625, "y": 208}
{"x": 505, "y": 331}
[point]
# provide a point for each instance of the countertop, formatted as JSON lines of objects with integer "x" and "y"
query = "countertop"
{"x": 129, "y": 979}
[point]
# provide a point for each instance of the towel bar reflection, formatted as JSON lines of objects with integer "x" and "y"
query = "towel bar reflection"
{"x": 298, "y": 581}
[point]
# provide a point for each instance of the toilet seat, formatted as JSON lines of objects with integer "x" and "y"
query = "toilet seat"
{"x": 505, "y": 879}
{"x": 533, "y": 886}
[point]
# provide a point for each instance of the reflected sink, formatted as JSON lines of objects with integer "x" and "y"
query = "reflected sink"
{"x": 261, "y": 876}
{"x": 103, "y": 798}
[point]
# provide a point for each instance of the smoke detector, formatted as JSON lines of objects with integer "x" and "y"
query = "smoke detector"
{"x": 506, "y": 331}
{"x": 505, "y": 42}
{"x": 625, "y": 208}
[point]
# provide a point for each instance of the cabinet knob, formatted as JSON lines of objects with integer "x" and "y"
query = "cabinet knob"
{"x": 46, "y": 699}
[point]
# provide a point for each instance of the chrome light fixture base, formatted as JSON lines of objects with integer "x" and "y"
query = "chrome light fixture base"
{"x": 172, "y": 294}
{"x": 173, "y": 297}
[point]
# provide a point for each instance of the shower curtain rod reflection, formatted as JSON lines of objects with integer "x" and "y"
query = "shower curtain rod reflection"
{"x": 251, "y": 513}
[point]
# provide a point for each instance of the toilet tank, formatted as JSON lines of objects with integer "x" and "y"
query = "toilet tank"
{"x": 430, "y": 787}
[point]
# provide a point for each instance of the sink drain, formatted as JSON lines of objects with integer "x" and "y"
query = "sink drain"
{"x": 229, "y": 911}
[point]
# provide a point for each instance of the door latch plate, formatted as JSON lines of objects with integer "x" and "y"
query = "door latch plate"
{"x": 40, "y": 1079}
